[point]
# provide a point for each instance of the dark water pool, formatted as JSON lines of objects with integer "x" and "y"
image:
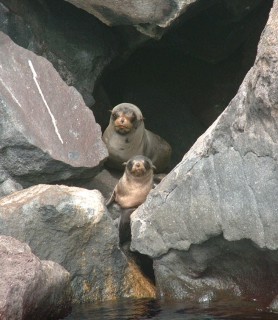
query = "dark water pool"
{"x": 140, "y": 309}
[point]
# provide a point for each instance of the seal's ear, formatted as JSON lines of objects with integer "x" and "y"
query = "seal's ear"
{"x": 154, "y": 167}
{"x": 138, "y": 122}
{"x": 124, "y": 163}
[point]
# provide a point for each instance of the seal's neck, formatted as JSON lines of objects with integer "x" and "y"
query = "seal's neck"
{"x": 134, "y": 137}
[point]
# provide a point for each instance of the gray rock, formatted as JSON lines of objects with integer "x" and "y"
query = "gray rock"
{"x": 31, "y": 288}
{"x": 216, "y": 270}
{"x": 72, "y": 227}
{"x": 9, "y": 186}
{"x": 227, "y": 183}
{"x": 157, "y": 12}
{"x": 105, "y": 181}
{"x": 76, "y": 43}
{"x": 153, "y": 17}
{"x": 47, "y": 132}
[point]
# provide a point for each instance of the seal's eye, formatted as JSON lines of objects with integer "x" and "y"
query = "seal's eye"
{"x": 147, "y": 165}
{"x": 130, "y": 165}
{"x": 133, "y": 117}
{"x": 114, "y": 115}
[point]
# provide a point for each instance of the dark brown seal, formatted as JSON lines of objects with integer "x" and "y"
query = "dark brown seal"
{"x": 126, "y": 137}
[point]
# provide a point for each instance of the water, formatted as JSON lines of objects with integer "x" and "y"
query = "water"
{"x": 141, "y": 309}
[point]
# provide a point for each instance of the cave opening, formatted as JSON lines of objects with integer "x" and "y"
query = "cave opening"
{"x": 185, "y": 80}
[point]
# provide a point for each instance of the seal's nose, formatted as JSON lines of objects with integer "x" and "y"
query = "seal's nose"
{"x": 137, "y": 165}
{"x": 122, "y": 120}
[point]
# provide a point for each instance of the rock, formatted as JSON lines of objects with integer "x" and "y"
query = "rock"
{"x": 157, "y": 12}
{"x": 9, "y": 186}
{"x": 105, "y": 181}
{"x": 76, "y": 43}
{"x": 47, "y": 132}
{"x": 217, "y": 270}
{"x": 31, "y": 288}
{"x": 72, "y": 227}
{"x": 225, "y": 185}
{"x": 154, "y": 17}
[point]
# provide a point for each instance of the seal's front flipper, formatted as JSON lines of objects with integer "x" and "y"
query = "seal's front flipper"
{"x": 111, "y": 199}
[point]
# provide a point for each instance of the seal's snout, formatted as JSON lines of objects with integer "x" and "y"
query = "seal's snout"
{"x": 138, "y": 168}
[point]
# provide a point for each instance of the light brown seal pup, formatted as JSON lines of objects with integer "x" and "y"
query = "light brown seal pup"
{"x": 126, "y": 137}
{"x": 131, "y": 191}
{"x": 135, "y": 184}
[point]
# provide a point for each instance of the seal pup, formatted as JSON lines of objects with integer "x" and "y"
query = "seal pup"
{"x": 135, "y": 184}
{"x": 131, "y": 191}
{"x": 126, "y": 137}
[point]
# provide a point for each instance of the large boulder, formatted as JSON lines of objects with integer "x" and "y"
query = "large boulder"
{"x": 224, "y": 191}
{"x": 77, "y": 44}
{"x": 47, "y": 132}
{"x": 31, "y": 288}
{"x": 72, "y": 227}
{"x": 153, "y": 17}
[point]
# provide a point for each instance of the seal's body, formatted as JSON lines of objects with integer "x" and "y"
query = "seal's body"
{"x": 126, "y": 137}
{"x": 131, "y": 191}
{"x": 135, "y": 184}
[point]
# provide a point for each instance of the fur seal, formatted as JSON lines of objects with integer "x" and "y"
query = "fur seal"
{"x": 126, "y": 137}
{"x": 135, "y": 184}
{"x": 131, "y": 191}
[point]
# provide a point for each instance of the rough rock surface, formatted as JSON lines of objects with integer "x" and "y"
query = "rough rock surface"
{"x": 217, "y": 270}
{"x": 9, "y": 186}
{"x": 47, "y": 132}
{"x": 31, "y": 288}
{"x": 72, "y": 227}
{"x": 75, "y": 42}
{"x": 226, "y": 184}
{"x": 150, "y": 17}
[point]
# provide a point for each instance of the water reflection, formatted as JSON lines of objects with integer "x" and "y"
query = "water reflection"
{"x": 141, "y": 309}
{"x": 123, "y": 309}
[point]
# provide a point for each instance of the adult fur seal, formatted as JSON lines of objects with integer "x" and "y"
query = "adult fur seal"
{"x": 131, "y": 191}
{"x": 126, "y": 137}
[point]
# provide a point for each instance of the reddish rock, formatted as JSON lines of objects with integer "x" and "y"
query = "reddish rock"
{"x": 30, "y": 288}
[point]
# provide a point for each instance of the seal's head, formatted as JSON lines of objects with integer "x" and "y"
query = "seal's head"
{"x": 139, "y": 166}
{"x": 125, "y": 118}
